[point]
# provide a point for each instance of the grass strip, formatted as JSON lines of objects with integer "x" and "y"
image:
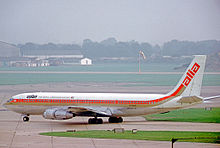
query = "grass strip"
{"x": 143, "y": 135}
{"x": 188, "y": 115}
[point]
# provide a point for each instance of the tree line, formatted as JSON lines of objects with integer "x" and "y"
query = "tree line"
{"x": 112, "y": 48}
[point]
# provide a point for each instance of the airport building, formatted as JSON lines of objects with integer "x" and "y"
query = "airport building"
{"x": 86, "y": 61}
{"x": 53, "y": 56}
{"x": 13, "y": 56}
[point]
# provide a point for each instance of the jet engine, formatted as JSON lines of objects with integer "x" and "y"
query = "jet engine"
{"x": 57, "y": 114}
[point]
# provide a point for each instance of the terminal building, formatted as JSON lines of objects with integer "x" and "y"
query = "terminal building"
{"x": 11, "y": 55}
{"x": 54, "y": 57}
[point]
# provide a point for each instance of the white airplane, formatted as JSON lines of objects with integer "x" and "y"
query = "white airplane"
{"x": 62, "y": 106}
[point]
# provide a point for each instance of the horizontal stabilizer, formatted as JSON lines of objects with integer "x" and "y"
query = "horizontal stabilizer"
{"x": 210, "y": 98}
{"x": 190, "y": 99}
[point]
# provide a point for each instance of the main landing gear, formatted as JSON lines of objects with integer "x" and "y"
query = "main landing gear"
{"x": 115, "y": 120}
{"x": 110, "y": 120}
{"x": 95, "y": 121}
{"x": 25, "y": 118}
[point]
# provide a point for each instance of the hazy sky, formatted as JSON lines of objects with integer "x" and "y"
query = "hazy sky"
{"x": 71, "y": 21}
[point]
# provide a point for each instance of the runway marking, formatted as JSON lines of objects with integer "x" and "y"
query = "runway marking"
{"x": 93, "y": 143}
{"x": 14, "y": 132}
{"x": 135, "y": 143}
{"x": 51, "y": 139}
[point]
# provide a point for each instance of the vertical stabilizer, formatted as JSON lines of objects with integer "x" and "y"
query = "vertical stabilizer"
{"x": 191, "y": 82}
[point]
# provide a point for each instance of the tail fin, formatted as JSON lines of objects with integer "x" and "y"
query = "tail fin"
{"x": 191, "y": 82}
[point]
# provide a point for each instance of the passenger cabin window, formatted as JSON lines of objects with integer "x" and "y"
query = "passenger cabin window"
{"x": 31, "y": 96}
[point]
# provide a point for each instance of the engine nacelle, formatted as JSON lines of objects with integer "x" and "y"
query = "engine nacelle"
{"x": 56, "y": 114}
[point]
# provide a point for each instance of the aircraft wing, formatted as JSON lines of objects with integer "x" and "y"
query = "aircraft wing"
{"x": 86, "y": 110}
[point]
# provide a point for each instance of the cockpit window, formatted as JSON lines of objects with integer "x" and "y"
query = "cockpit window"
{"x": 31, "y": 96}
{"x": 10, "y": 100}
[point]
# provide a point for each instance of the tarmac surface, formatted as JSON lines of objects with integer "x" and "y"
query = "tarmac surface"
{"x": 15, "y": 133}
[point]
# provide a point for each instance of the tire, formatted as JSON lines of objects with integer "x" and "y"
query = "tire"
{"x": 112, "y": 120}
{"x": 25, "y": 118}
{"x": 95, "y": 121}
{"x": 99, "y": 121}
{"x": 115, "y": 120}
{"x": 120, "y": 120}
{"x": 90, "y": 121}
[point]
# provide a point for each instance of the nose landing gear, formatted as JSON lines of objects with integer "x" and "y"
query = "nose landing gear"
{"x": 25, "y": 118}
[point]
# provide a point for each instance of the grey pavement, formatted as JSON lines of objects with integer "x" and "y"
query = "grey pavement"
{"x": 15, "y": 133}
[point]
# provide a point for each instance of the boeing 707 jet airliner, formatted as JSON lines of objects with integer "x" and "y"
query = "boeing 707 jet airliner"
{"x": 62, "y": 106}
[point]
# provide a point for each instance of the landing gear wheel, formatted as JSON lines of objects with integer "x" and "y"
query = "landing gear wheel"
{"x": 99, "y": 121}
{"x": 120, "y": 119}
{"x": 95, "y": 121}
{"x": 115, "y": 120}
{"x": 25, "y": 118}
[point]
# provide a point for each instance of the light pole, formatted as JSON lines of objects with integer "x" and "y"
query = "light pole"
{"x": 141, "y": 53}
{"x": 139, "y": 61}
